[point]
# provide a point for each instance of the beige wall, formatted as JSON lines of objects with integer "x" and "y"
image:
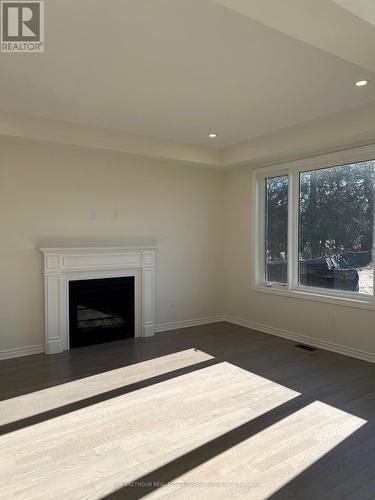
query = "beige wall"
{"x": 355, "y": 328}
{"x": 46, "y": 193}
{"x": 200, "y": 219}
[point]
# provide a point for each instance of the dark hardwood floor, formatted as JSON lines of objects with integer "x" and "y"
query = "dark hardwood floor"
{"x": 216, "y": 411}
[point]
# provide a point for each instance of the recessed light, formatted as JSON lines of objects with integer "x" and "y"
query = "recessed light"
{"x": 361, "y": 83}
{"x": 212, "y": 135}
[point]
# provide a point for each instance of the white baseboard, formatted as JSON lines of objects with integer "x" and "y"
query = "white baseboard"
{"x": 18, "y": 352}
{"x": 303, "y": 339}
{"x": 188, "y": 323}
{"x": 271, "y": 330}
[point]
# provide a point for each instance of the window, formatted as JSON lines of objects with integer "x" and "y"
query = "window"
{"x": 336, "y": 218}
{"x": 315, "y": 230}
{"x": 276, "y": 232}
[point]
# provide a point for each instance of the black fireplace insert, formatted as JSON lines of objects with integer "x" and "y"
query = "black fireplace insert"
{"x": 101, "y": 310}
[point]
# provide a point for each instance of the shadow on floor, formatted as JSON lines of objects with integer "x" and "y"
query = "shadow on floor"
{"x": 344, "y": 383}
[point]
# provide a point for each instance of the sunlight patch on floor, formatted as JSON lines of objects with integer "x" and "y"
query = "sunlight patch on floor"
{"x": 66, "y": 393}
{"x": 125, "y": 437}
{"x": 264, "y": 463}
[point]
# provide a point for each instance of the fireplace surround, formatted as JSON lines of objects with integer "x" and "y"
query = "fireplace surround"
{"x": 63, "y": 266}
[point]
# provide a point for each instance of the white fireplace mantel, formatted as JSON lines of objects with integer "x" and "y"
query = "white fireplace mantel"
{"x": 62, "y": 265}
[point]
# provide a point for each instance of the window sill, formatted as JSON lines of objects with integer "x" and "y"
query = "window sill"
{"x": 362, "y": 302}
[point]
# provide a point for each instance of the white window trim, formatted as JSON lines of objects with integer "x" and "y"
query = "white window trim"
{"x": 293, "y": 169}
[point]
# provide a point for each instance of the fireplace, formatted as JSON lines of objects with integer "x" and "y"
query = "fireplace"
{"x": 100, "y": 310}
{"x": 125, "y": 272}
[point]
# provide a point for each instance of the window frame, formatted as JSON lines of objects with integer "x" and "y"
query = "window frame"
{"x": 293, "y": 170}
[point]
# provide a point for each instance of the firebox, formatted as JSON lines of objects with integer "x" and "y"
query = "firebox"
{"x": 101, "y": 310}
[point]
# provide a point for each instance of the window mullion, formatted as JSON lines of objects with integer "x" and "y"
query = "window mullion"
{"x": 293, "y": 230}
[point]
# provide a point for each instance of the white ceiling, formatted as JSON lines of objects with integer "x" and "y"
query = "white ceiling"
{"x": 176, "y": 69}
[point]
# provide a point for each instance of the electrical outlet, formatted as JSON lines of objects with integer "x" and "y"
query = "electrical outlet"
{"x": 92, "y": 214}
{"x": 172, "y": 302}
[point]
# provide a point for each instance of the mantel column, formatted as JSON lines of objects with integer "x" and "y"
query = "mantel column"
{"x": 148, "y": 293}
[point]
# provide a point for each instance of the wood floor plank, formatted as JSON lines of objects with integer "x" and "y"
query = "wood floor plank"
{"x": 212, "y": 412}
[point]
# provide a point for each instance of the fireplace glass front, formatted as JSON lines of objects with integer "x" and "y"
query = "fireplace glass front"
{"x": 101, "y": 310}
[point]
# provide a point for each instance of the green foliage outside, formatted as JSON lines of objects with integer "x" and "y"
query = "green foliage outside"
{"x": 336, "y": 214}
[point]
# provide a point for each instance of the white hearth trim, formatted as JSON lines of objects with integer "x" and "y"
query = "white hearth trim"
{"x": 62, "y": 265}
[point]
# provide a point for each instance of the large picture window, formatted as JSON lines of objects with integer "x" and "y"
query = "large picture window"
{"x": 316, "y": 230}
{"x": 336, "y": 218}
